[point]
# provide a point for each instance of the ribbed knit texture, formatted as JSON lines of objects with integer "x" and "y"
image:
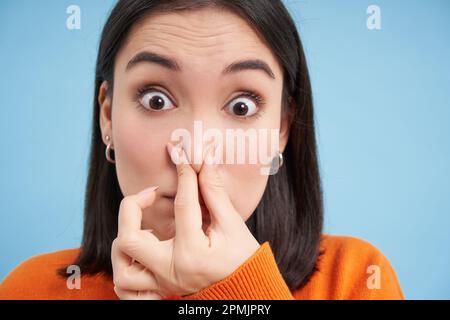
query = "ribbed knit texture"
{"x": 256, "y": 279}
{"x": 342, "y": 275}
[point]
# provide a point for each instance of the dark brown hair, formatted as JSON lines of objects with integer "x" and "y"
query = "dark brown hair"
{"x": 290, "y": 213}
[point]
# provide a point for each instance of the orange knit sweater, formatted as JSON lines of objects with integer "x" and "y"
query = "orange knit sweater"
{"x": 346, "y": 270}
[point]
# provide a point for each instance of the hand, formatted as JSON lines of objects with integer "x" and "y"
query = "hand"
{"x": 195, "y": 258}
{"x": 132, "y": 281}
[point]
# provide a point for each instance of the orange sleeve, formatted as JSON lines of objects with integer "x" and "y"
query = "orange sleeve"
{"x": 256, "y": 279}
{"x": 36, "y": 278}
{"x": 351, "y": 269}
{"x": 388, "y": 287}
{"x": 27, "y": 281}
{"x": 370, "y": 275}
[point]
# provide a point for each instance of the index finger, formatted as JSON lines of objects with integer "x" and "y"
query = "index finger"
{"x": 188, "y": 213}
{"x": 130, "y": 211}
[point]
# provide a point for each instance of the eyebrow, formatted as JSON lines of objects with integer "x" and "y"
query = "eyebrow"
{"x": 171, "y": 64}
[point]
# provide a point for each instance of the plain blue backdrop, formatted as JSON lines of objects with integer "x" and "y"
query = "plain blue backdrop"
{"x": 383, "y": 116}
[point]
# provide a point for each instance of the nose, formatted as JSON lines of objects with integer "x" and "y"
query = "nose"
{"x": 197, "y": 137}
{"x": 196, "y": 154}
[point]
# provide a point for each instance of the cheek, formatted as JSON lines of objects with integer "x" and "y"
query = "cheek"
{"x": 246, "y": 182}
{"x": 245, "y": 185}
{"x": 139, "y": 150}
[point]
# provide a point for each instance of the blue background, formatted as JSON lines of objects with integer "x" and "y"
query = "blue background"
{"x": 383, "y": 115}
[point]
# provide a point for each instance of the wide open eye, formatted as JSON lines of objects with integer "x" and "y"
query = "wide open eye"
{"x": 242, "y": 107}
{"x": 155, "y": 101}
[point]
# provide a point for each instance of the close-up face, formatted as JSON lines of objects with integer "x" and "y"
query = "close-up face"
{"x": 224, "y": 149}
{"x": 178, "y": 69}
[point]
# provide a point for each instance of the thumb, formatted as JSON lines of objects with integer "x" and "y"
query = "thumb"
{"x": 214, "y": 193}
{"x": 131, "y": 207}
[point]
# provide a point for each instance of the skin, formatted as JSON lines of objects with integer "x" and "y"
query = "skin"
{"x": 203, "y": 42}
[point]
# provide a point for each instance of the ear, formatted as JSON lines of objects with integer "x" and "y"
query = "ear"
{"x": 104, "y": 102}
{"x": 285, "y": 125}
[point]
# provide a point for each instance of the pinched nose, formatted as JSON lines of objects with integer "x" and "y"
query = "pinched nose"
{"x": 196, "y": 167}
{"x": 196, "y": 155}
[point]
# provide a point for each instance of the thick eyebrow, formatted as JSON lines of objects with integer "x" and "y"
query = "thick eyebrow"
{"x": 254, "y": 64}
{"x": 153, "y": 58}
{"x": 171, "y": 64}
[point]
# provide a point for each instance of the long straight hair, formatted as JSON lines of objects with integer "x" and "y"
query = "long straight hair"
{"x": 290, "y": 213}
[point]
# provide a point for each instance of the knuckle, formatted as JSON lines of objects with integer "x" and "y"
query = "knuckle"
{"x": 124, "y": 280}
{"x": 182, "y": 171}
{"x": 210, "y": 181}
{"x": 180, "y": 202}
{"x": 120, "y": 280}
{"x": 183, "y": 202}
{"x": 114, "y": 245}
{"x": 129, "y": 242}
{"x": 118, "y": 293}
{"x": 114, "y": 248}
{"x": 126, "y": 203}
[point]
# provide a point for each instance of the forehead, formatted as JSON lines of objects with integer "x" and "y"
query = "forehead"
{"x": 200, "y": 38}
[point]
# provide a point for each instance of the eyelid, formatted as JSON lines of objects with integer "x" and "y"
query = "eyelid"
{"x": 153, "y": 88}
{"x": 143, "y": 91}
{"x": 250, "y": 94}
{"x": 256, "y": 97}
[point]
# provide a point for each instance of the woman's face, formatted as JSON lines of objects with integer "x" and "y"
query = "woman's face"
{"x": 153, "y": 97}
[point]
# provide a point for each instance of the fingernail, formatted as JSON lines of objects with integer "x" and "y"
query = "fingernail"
{"x": 173, "y": 153}
{"x": 148, "y": 191}
{"x": 181, "y": 153}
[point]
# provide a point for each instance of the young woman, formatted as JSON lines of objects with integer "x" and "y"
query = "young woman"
{"x": 206, "y": 229}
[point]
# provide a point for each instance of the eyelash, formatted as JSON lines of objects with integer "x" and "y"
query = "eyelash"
{"x": 257, "y": 98}
{"x": 259, "y": 101}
